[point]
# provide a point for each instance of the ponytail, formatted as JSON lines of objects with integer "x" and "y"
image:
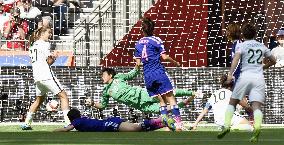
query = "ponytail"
{"x": 36, "y": 34}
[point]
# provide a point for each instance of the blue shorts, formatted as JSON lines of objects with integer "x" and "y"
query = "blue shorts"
{"x": 112, "y": 124}
{"x": 158, "y": 84}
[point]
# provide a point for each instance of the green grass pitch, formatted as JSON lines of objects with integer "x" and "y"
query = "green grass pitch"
{"x": 42, "y": 134}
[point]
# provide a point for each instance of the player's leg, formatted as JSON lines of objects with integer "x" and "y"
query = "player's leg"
{"x": 146, "y": 125}
{"x": 64, "y": 105}
{"x": 240, "y": 123}
{"x": 183, "y": 92}
{"x": 40, "y": 93}
{"x": 228, "y": 117}
{"x": 240, "y": 90}
{"x": 56, "y": 88}
{"x": 174, "y": 109}
{"x": 258, "y": 116}
{"x": 257, "y": 98}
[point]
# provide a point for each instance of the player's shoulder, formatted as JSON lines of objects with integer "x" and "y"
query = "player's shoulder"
{"x": 223, "y": 90}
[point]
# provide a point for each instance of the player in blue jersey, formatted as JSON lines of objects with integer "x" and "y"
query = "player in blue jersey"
{"x": 234, "y": 35}
{"x": 149, "y": 50}
{"x": 113, "y": 124}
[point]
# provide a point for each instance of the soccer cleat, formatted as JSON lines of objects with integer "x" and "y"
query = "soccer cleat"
{"x": 26, "y": 127}
{"x": 178, "y": 124}
{"x": 255, "y": 135}
{"x": 169, "y": 122}
{"x": 223, "y": 133}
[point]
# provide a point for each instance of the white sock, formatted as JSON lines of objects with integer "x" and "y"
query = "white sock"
{"x": 29, "y": 118}
{"x": 66, "y": 119}
{"x": 257, "y": 118}
{"x": 229, "y": 115}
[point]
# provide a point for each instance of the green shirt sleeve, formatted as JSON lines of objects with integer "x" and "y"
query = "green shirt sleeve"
{"x": 128, "y": 76}
{"x": 104, "y": 101}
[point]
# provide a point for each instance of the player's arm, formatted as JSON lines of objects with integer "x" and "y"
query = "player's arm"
{"x": 168, "y": 58}
{"x": 234, "y": 65}
{"x": 52, "y": 57}
{"x": 199, "y": 118}
{"x": 130, "y": 75}
{"x": 66, "y": 129}
{"x": 90, "y": 103}
{"x": 246, "y": 106}
{"x": 270, "y": 61}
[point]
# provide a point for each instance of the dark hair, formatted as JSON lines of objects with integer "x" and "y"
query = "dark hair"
{"x": 249, "y": 31}
{"x": 233, "y": 31}
{"x": 73, "y": 114}
{"x": 223, "y": 80}
{"x": 109, "y": 71}
{"x": 148, "y": 26}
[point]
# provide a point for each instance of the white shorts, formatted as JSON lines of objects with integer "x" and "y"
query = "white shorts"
{"x": 237, "y": 119}
{"x": 52, "y": 85}
{"x": 251, "y": 86}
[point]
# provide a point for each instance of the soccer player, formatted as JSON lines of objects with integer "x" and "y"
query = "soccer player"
{"x": 234, "y": 35}
{"x": 251, "y": 81}
{"x": 278, "y": 52}
{"x": 44, "y": 78}
{"x": 149, "y": 50}
{"x": 133, "y": 96}
{"x": 218, "y": 103}
{"x": 113, "y": 124}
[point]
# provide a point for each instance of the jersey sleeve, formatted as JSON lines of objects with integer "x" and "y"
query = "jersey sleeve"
{"x": 104, "y": 100}
{"x": 238, "y": 48}
{"x": 137, "y": 52}
{"x": 128, "y": 76}
{"x": 267, "y": 52}
{"x": 161, "y": 46}
{"x": 210, "y": 102}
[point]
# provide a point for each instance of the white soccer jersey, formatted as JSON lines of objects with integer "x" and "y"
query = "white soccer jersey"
{"x": 39, "y": 53}
{"x": 218, "y": 102}
{"x": 252, "y": 53}
{"x": 278, "y": 52}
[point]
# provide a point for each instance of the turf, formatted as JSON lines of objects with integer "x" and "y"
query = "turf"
{"x": 44, "y": 135}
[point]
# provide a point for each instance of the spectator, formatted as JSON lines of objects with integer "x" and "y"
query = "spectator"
{"x": 31, "y": 14}
{"x": 8, "y": 5}
{"x": 4, "y": 17}
{"x": 278, "y": 52}
{"x": 15, "y": 29}
{"x": 60, "y": 9}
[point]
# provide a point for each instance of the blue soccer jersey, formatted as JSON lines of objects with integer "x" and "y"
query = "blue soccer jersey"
{"x": 238, "y": 69}
{"x": 149, "y": 50}
{"x": 85, "y": 124}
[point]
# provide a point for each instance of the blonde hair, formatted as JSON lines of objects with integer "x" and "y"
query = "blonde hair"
{"x": 37, "y": 33}
{"x": 233, "y": 32}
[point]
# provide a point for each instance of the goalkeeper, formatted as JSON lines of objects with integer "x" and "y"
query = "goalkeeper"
{"x": 133, "y": 96}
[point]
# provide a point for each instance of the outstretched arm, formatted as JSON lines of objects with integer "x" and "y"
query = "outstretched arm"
{"x": 168, "y": 58}
{"x": 199, "y": 118}
{"x": 130, "y": 75}
{"x": 66, "y": 129}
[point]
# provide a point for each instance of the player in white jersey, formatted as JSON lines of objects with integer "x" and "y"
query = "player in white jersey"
{"x": 278, "y": 52}
{"x": 251, "y": 81}
{"x": 218, "y": 103}
{"x": 43, "y": 75}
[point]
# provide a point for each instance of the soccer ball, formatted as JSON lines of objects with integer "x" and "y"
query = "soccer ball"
{"x": 52, "y": 106}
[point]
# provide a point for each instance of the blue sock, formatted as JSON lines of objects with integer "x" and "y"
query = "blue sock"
{"x": 175, "y": 110}
{"x": 163, "y": 110}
